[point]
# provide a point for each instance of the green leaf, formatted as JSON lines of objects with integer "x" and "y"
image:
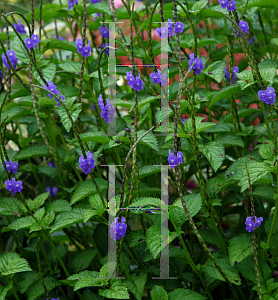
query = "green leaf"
{"x": 68, "y": 218}
{"x": 87, "y": 188}
{"x": 137, "y": 285}
{"x": 14, "y": 113}
{"x": 46, "y": 102}
{"x": 246, "y": 79}
{"x": 58, "y": 206}
{"x": 210, "y": 237}
{"x": 96, "y": 202}
{"x": 266, "y": 151}
{"x": 215, "y": 154}
{"x": 26, "y": 280}
{"x": 32, "y": 151}
{"x": 182, "y": 294}
{"x": 18, "y": 48}
{"x": 74, "y": 111}
{"x": 21, "y": 223}
{"x": 10, "y": 205}
{"x": 153, "y": 240}
{"x": 158, "y": 293}
{"x": 216, "y": 69}
{"x": 38, "y": 201}
{"x": 100, "y": 7}
{"x": 149, "y": 140}
{"x": 257, "y": 170}
{"x": 229, "y": 140}
{"x": 37, "y": 290}
{"x": 226, "y": 92}
{"x": 148, "y": 170}
{"x": 51, "y": 43}
{"x": 82, "y": 260}
{"x": 263, "y": 4}
{"x": 71, "y": 66}
{"x": 91, "y": 137}
{"x": 47, "y": 71}
{"x": 12, "y": 263}
{"x": 48, "y": 171}
{"x": 198, "y": 6}
{"x": 231, "y": 272}
{"x": 146, "y": 201}
{"x": 193, "y": 203}
{"x": 134, "y": 238}
{"x": 268, "y": 74}
{"x": 4, "y": 290}
{"x": 116, "y": 291}
{"x": 240, "y": 247}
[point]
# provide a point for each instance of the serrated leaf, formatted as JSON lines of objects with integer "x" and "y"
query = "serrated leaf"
{"x": 137, "y": 285}
{"x": 268, "y": 74}
{"x": 26, "y": 280}
{"x": 21, "y": 223}
{"x": 246, "y": 79}
{"x": 182, "y": 294}
{"x": 215, "y": 154}
{"x": 226, "y": 92}
{"x": 229, "y": 140}
{"x": 12, "y": 263}
{"x": 153, "y": 236}
{"x": 38, "y": 201}
{"x": 82, "y": 260}
{"x": 46, "y": 102}
{"x": 87, "y": 188}
{"x": 146, "y": 201}
{"x": 92, "y": 137}
{"x": 14, "y": 113}
{"x": 48, "y": 73}
{"x": 158, "y": 293}
{"x": 148, "y": 170}
{"x": 74, "y": 111}
{"x": 116, "y": 291}
{"x": 58, "y": 206}
{"x": 216, "y": 70}
{"x": 10, "y": 205}
{"x": 51, "y": 43}
{"x": 257, "y": 170}
{"x": 240, "y": 247}
{"x": 266, "y": 151}
{"x": 32, "y": 151}
{"x": 136, "y": 237}
{"x": 198, "y": 6}
{"x": 37, "y": 290}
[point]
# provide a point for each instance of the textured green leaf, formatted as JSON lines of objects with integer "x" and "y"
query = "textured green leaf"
{"x": 263, "y": 4}
{"x": 266, "y": 151}
{"x": 48, "y": 72}
{"x": 19, "y": 49}
{"x": 82, "y": 260}
{"x": 148, "y": 170}
{"x": 101, "y": 7}
{"x": 158, "y": 293}
{"x": 91, "y": 137}
{"x": 58, "y": 206}
{"x": 4, "y": 290}
{"x": 136, "y": 237}
{"x": 226, "y": 92}
{"x": 67, "y": 219}
{"x": 26, "y": 280}
{"x": 14, "y": 113}
{"x": 229, "y": 140}
{"x": 246, "y": 79}
{"x": 51, "y": 43}
{"x": 10, "y": 205}
{"x": 198, "y": 6}
{"x": 12, "y": 263}
{"x": 87, "y": 188}
{"x": 49, "y": 171}
{"x": 71, "y": 66}
{"x": 74, "y": 110}
{"x": 36, "y": 290}
{"x": 240, "y": 247}
{"x": 46, "y": 102}
{"x": 230, "y": 271}
{"x": 38, "y": 201}
{"x": 146, "y": 201}
{"x": 116, "y": 291}
{"x": 21, "y": 223}
{"x": 216, "y": 70}
{"x": 96, "y": 202}
{"x": 153, "y": 239}
{"x": 33, "y": 151}
{"x": 137, "y": 285}
{"x": 242, "y": 112}
{"x": 182, "y": 294}
{"x": 210, "y": 237}
{"x": 257, "y": 170}
{"x": 215, "y": 154}
{"x": 268, "y": 74}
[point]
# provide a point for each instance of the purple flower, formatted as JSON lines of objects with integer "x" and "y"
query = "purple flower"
{"x": 138, "y": 84}
{"x": 223, "y": 3}
{"x": 227, "y": 74}
{"x": 162, "y": 32}
{"x": 53, "y": 89}
{"x": 93, "y": 106}
{"x": 156, "y": 77}
{"x": 106, "y": 52}
{"x": 164, "y": 79}
{"x": 11, "y": 167}
{"x": 87, "y": 164}
{"x": 104, "y": 31}
{"x": 79, "y": 45}
{"x": 130, "y": 78}
{"x": 250, "y": 225}
{"x": 107, "y": 111}
{"x": 243, "y": 26}
{"x": 179, "y": 157}
{"x": 51, "y": 164}
{"x": 268, "y": 96}
{"x": 198, "y": 67}
{"x": 13, "y": 186}
{"x": 59, "y": 38}
{"x": 52, "y": 191}
{"x": 71, "y": 3}
{"x": 231, "y": 6}
{"x": 28, "y": 44}
{"x": 32, "y": 42}
{"x": 172, "y": 159}
{"x": 12, "y": 58}
{"x": 86, "y": 50}
{"x": 183, "y": 120}
{"x": 95, "y": 1}
{"x": 118, "y": 230}
{"x": 19, "y": 27}
{"x": 179, "y": 27}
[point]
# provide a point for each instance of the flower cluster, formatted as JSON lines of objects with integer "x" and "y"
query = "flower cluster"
{"x": 53, "y": 89}
{"x": 174, "y": 160}
{"x": 107, "y": 111}
{"x": 13, "y": 186}
{"x": 136, "y": 84}
{"x": 156, "y": 78}
{"x": 243, "y": 26}
{"x": 106, "y": 52}
{"x": 52, "y": 191}
{"x": 250, "y": 225}
{"x": 162, "y": 32}
{"x": 12, "y": 58}
{"x": 118, "y": 230}
{"x": 19, "y": 27}
{"x": 198, "y": 67}
{"x": 71, "y": 3}
{"x": 32, "y": 42}
{"x": 268, "y": 96}
{"x": 86, "y": 51}
{"x": 11, "y": 167}
{"x": 87, "y": 164}
{"x": 104, "y": 31}
{"x": 227, "y": 74}
{"x": 230, "y": 5}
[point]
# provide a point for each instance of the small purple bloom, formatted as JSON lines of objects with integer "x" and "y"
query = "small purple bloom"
{"x": 183, "y": 120}
{"x": 53, "y": 89}
{"x": 162, "y": 32}
{"x": 231, "y": 6}
{"x": 51, "y": 164}
{"x": 179, "y": 27}
{"x": 79, "y": 45}
{"x": 87, "y": 164}
{"x": 71, "y": 3}
{"x": 52, "y": 191}
{"x": 172, "y": 159}
{"x": 28, "y": 44}
{"x": 250, "y": 225}
{"x": 179, "y": 157}
{"x": 104, "y": 31}
{"x": 86, "y": 50}
{"x": 19, "y": 27}
{"x": 223, "y": 3}
{"x": 268, "y": 96}
{"x": 164, "y": 79}
{"x": 35, "y": 39}
{"x": 156, "y": 77}
{"x": 12, "y": 58}
{"x": 11, "y": 167}
{"x": 118, "y": 230}
{"x": 130, "y": 78}
{"x": 198, "y": 67}
{"x": 227, "y": 74}
{"x": 106, "y": 52}
{"x": 243, "y": 26}
{"x": 107, "y": 111}
{"x": 93, "y": 106}
{"x": 13, "y": 186}
{"x": 138, "y": 84}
